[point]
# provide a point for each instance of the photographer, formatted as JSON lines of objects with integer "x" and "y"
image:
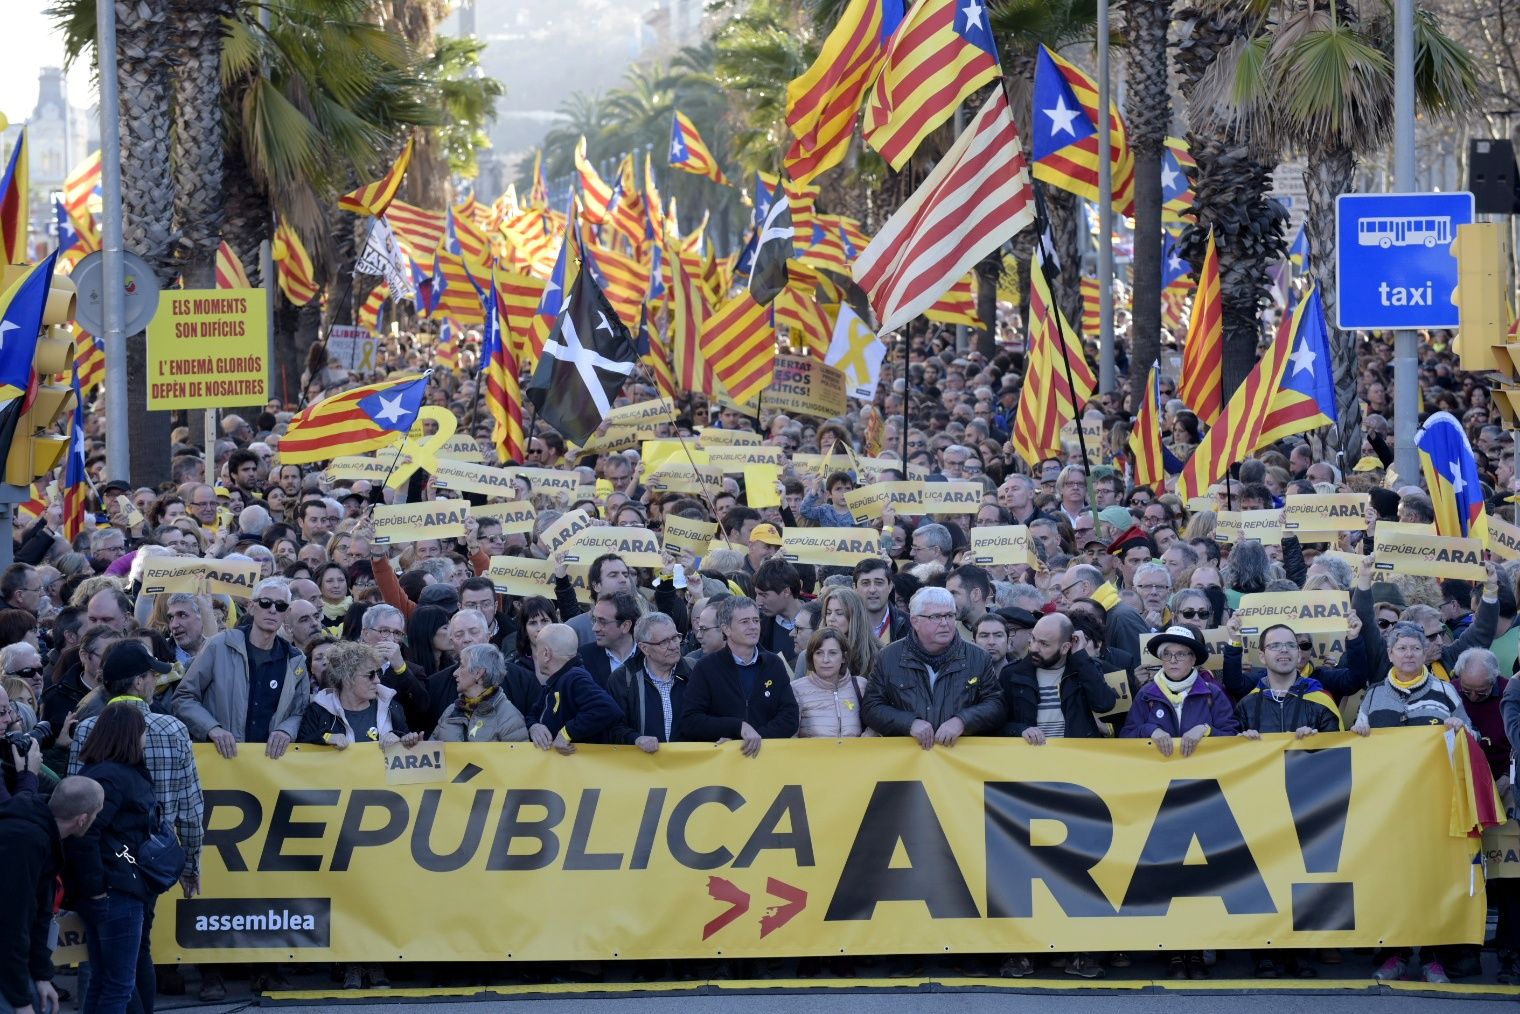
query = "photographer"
{"x": 20, "y": 754}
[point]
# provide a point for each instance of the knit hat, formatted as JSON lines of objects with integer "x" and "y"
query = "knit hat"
{"x": 1117, "y": 518}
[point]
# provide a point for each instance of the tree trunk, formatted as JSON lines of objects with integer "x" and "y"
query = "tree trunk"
{"x": 198, "y": 140}
{"x": 1148, "y": 108}
{"x": 147, "y": 190}
{"x": 988, "y": 270}
{"x": 1331, "y": 170}
{"x": 1065, "y": 228}
{"x": 246, "y": 214}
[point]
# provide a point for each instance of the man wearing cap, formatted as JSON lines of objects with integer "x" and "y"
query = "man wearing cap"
{"x": 764, "y": 543}
{"x": 1180, "y": 703}
{"x": 129, "y": 673}
{"x": 1020, "y": 622}
{"x": 1131, "y": 547}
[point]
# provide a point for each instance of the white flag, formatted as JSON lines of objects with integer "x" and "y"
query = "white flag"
{"x": 382, "y": 256}
{"x": 856, "y": 352}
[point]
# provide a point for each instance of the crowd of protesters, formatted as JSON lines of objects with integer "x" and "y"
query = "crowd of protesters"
{"x": 344, "y": 642}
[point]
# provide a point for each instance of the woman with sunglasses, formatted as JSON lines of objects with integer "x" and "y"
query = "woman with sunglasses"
{"x": 358, "y": 708}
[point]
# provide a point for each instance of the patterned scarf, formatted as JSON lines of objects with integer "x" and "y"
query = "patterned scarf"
{"x": 469, "y": 704}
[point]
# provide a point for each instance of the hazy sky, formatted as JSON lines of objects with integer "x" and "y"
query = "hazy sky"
{"x": 30, "y": 45}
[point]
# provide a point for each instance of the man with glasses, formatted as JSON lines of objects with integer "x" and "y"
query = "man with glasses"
{"x": 21, "y": 587}
{"x": 612, "y": 620}
{"x": 248, "y": 685}
{"x": 650, "y": 689}
{"x": 200, "y": 501}
{"x": 933, "y": 685}
{"x": 23, "y": 662}
{"x": 1153, "y": 583}
{"x": 1071, "y": 489}
{"x": 741, "y": 691}
{"x": 1125, "y": 625}
{"x": 383, "y": 628}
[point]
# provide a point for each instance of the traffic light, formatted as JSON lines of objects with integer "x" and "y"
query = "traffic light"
{"x": 1482, "y": 306}
{"x": 37, "y": 447}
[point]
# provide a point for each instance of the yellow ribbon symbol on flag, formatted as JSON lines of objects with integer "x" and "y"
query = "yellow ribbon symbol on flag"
{"x": 854, "y": 358}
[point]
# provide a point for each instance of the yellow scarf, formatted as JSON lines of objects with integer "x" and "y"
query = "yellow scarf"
{"x": 1175, "y": 692}
{"x": 1106, "y": 595}
{"x": 1407, "y": 685}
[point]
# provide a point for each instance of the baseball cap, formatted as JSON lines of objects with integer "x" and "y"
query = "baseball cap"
{"x": 129, "y": 660}
{"x": 1117, "y": 518}
{"x": 765, "y": 533}
{"x": 116, "y": 486}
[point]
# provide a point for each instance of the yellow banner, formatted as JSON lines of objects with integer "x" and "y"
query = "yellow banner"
{"x": 521, "y": 575}
{"x": 831, "y": 547}
{"x": 516, "y": 516}
{"x": 1503, "y": 538}
{"x": 655, "y": 410}
{"x": 164, "y": 575}
{"x": 991, "y": 846}
{"x": 1092, "y": 438}
{"x": 351, "y": 469}
{"x": 549, "y": 480}
{"x": 1264, "y": 526}
{"x": 461, "y": 447}
{"x": 471, "y": 477}
{"x": 866, "y": 503}
{"x": 710, "y": 437}
{"x": 1306, "y": 514}
{"x": 687, "y": 535}
{"x": 995, "y": 545}
{"x": 209, "y": 348}
{"x": 804, "y": 386}
{"x": 1428, "y": 555}
{"x": 413, "y": 522}
{"x": 760, "y": 485}
{"x": 1307, "y": 612}
{"x": 639, "y": 547}
{"x": 559, "y": 533}
{"x": 734, "y": 458}
{"x": 952, "y": 497}
{"x": 679, "y": 475}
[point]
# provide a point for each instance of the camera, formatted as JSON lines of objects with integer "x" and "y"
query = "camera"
{"x": 22, "y": 742}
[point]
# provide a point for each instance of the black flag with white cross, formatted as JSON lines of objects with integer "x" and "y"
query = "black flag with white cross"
{"x": 587, "y": 359}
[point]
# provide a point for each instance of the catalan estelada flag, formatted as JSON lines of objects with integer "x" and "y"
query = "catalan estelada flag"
{"x": 374, "y": 198}
{"x": 1451, "y": 477}
{"x": 689, "y": 152}
{"x": 1201, "y": 385}
{"x": 76, "y": 487}
{"x": 15, "y": 211}
{"x": 21, "y": 309}
{"x": 1176, "y": 186}
{"x": 1305, "y": 400}
{"x": 1065, "y": 142}
{"x": 499, "y": 374}
{"x": 937, "y": 57}
{"x": 292, "y": 266}
{"x": 824, "y": 101}
{"x": 230, "y": 273}
{"x": 354, "y": 422}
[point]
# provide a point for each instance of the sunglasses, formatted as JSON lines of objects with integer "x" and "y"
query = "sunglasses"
{"x": 274, "y": 604}
{"x": 1305, "y": 645}
{"x": 1195, "y": 614}
{"x": 1385, "y": 624}
{"x": 30, "y": 672}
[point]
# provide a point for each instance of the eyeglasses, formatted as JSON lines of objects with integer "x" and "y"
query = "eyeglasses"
{"x": 1176, "y": 656}
{"x": 390, "y": 632}
{"x": 1066, "y": 588}
{"x": 1281, "y": 646}
{"x": 1305, "y": 645}
{"x": 1385, "y": 624}
{"x": 30, "y": 672}
{"x": 667, "y": 642}
{"x": 705, "y": 630}
{"x": 1435, "y": 637}
{"x": 1195, "y": 614}
{"x": 274, "y": 604}
{"x": 936, "y": 617}
{"x": 374, "y": 674}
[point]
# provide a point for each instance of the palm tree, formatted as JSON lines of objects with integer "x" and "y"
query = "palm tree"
{"x": 1320, "y": 80}
{"x": 1148, "y": 115}
{"x": 198, "y": 136}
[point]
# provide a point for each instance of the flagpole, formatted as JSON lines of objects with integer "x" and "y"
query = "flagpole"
{"x": 427, "y": 376}
{"x": 1106, "y": 369}
{"x": 907, "y": 395}
{"x": 348, "y": 286}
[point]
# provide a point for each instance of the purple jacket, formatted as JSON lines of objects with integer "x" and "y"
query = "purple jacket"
{"x": 1206, "y": 704}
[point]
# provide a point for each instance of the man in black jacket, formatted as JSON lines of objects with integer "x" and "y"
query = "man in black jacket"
{"x": 651, "y": 687}
{"x": 740, "y": 692}
{"x": 32, "y": 830}
{"x": 873, "y": 583}
{"x": 574, "y": 709}
{"x": 933, "y": 685}
{"x": 612, "y": 620}
{"x": 1053, "y": 691}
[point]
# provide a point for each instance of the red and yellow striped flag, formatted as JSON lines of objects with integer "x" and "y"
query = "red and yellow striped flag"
{"x": 1049, "y": 400}
{"x": 1238, "y": 430}
{"x": 374, "y": 198}
{"x": 79, "y": 193}
{"x": 373, "y": 306}
{"x": 1091, "y": 307}
{"x": 689, "y": 310}
{"x": 1202, "y": 382}
{"x": 958, "y": 304}
{"x": 740, "y": 343}
{"x": 596, "y": 195}
{"x": 292, "y": 265}
{"x": 1145, "y": 438}
{"x": 229, "y": 270}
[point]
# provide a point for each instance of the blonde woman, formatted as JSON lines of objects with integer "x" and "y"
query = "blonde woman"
{"x": 828, "y": 696}
{"x": 844, "y": 612}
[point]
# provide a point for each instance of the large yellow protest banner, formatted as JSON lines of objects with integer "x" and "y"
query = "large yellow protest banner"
{"x": 209, "y": 348}
{"x": 824, "y": 847}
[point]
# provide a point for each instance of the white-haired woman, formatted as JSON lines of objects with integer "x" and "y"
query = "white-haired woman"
{"x": 482, "y": 713}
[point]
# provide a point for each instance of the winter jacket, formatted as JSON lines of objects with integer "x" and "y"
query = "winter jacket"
{"x": 574, "y": 704}
{"x": 53, "y": 707}
{"x": 1338, "y": 681}
{"x": 1479, "y": 634}
{"x": 325, "y": 718}
{"x": 898, "y": 691}
{"x": 1083, "y": 691}
{"x": 494, "y": 720}
{"x": 639, "y": 701}
{"x": 1304, "y": 704}
{"x": 830, "y": 712}
{"x": 214, "y": 691}
{"x": 104, "y": 858}
{"x": 33, "y": 856}
{"x": 519, "y": 684}
{"x": 1432, "y": 702}
{"x": 1206, "y": 703}
{"x": 715, "y": 706}
{"x": 594, "y": 659}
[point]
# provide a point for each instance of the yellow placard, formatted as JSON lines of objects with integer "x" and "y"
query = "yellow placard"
{"x": 516, "y": 516}
{"x": 461, "y": 447}
{"x": 1325, "y": 513}
{"x": 1405, "y": 528}
{"x": 549, "y": 479}
{"x": 1428, "y": 555}
{"x": 472, "y": 477}
{"x": 831, "y": 547}
{"x": 557, "y": 534}
{"x": 231, "y": 577}
{"x": 654, "y": 453}
{"x": 1503, "y": 538}
{"x": 521, "y": 575}
{"x": 422, "y": 764}
{"x": 733, "y": 459}
{"x": 618, "y": 438}
{"x": 352, "y": 469}
{"x": 687, "y": 535}
{"x": 760, "y": 485}
{"x": 1118, "y": 682}
{"x": 166, "y": 575}
{"x": 952, "y": 497}
{"x": 711, "y": 436}
{"x": 1307, "y": 612}
{"x": 866, "y": 503}
{"x": 639, "y": 547}
{"x": 866, "y": 846}
{"x": 1092, "y": 437}
{"x": 870, "y": 469}
{"x": 1199, "y": 503}
{"x": 73, "y": 946}
{"x": 209, "y": 348}
{"x": 654, "y": 410}
{"x": 804, "y": 386}
{"x": 413, "y": 522}
{"x": 1235, "y": 526}
{"x": 677, "y": 475}
{"x": 1001, "y": 545}
{"x": 1501, "y": 850}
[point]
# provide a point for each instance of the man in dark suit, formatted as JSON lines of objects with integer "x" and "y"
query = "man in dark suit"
{"x": 740, "y": 692}
{"x": 612, "y": 620}
{"x": 574, "y": 710}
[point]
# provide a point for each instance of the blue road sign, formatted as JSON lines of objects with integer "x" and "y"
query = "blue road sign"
{"x": 1393, "y": 262}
